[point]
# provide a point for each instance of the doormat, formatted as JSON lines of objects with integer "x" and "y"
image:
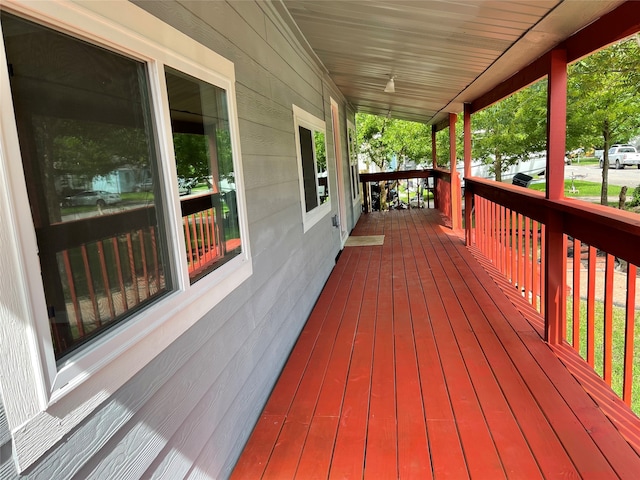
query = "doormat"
{"x": 364, "y": 241}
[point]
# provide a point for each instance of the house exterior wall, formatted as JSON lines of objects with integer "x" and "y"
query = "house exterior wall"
{"x": 189, "y": 412}
{"x": 7, "y": 470}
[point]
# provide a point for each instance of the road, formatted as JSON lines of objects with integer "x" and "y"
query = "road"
{"x": 629, "y": 176}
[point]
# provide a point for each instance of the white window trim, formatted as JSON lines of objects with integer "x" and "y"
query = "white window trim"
{"x": 353, "y": 162}
{"x": 305, "y": 119}
{"x": 42, "y": 403}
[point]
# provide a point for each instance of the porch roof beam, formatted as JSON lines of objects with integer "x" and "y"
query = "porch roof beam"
{"x": 610, "y": 28}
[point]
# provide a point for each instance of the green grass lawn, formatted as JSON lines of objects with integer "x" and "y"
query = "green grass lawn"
{"x": 585, "y": 161}
{"x": 617, "y": 374}
{"x": 584, "y": 188}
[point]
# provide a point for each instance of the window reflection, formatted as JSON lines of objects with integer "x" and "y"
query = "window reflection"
{"x": 85, "y": 131}
{"x": 313, "y": 155}
{"x": 204, "y": 163}
{"x": 321, "y": 166}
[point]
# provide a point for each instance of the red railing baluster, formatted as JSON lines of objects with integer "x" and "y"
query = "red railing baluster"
{"x": 514, "y": 248}
{"x": 527, "y": 258}
{"x": 194, "y": 236}
{"x": 207, "y": 230}
{"x": 187, "y": 241}
{"x": 484, "y": 224}
{"x": 591, "y": 306}
{"x": 485, "y": 227}
{"x": 498, "y": 238}
{"x": 132, "y": 266}
{"x": 492, "y": 231}
{"x": 608, "y": 318}
{"x": 543, "y": 276}
{"x": 629, "y": 332}
{"x": 105, "y": 278}
{"x": 156, "y": 265}
{"x": 123, "y": 291}
{"x": 72, "y": 292}
{"x": 204, "y": 255}
{"x": 92, "y": 293}
{"x": 500, "y": 226}
{"x": 535, "y": 269}
{"x": 505, "y": 238}
{"x": 143, "y": 260}
{"x": 576, "y": 295}
{"x": 520, "y": 262}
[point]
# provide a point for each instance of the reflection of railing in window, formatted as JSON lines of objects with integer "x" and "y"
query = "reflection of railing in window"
{"x": 137, "y": 278}
{"x": 203, "y": 233}
{"x": 109, "y": 268}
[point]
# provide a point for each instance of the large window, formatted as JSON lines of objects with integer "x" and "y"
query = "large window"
{"x": 312, "y": 166}
{"x": 121, "y": 203}
{"x": 86, "y": 137}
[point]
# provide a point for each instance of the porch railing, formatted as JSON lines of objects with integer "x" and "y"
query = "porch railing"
{"x": 584, "y": 255}
{"x": 439, "y": 187}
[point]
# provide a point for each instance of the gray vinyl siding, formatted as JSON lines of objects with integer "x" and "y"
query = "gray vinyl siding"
{"x": 7, "y": 468}
{"x": 190, "y": 411}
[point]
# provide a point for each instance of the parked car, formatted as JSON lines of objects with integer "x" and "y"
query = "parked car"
{"x": 98, "y": 198}
{"x": 185, "y": 185}
{"x": 621, "y": 156}
{"x": 145, "y": 186}
{"x": 599, "y": 154}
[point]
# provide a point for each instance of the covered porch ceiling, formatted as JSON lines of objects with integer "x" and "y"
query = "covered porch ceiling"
{"x": 442, "y": 53}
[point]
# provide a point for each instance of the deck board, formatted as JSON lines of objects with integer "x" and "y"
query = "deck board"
{"x": 418, "y": 361}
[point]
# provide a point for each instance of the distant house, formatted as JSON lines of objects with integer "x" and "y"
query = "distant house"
{"x": 121, "y": 180}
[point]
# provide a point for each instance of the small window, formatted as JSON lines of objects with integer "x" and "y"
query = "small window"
{"x": 86, "y": 135}
{"x": 312, "y": 167}
{"x": 206, "y": 179}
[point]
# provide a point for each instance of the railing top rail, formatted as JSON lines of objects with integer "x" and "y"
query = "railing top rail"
{"x": 70, "y": 234}
{"x": 609, "y": 229}
{"x": 404, "y": 174}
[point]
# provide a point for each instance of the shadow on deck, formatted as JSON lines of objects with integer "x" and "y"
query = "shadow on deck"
{"x": 418, "y": 361}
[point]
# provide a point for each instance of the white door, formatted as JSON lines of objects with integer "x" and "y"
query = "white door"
{"x": 337, "y": 147}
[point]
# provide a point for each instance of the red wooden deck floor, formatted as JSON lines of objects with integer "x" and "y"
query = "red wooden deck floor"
{"x": 418, "y": 363}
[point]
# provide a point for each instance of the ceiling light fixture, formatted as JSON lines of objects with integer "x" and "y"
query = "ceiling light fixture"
{"x": 391, "y": 85}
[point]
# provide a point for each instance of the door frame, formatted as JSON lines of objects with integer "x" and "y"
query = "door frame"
{"x": 337, "y": 150}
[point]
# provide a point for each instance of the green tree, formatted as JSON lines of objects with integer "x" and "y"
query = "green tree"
{"x": 381, "y": 139}
{"x": 192, "y": 155}
{"x": 508, "y": 131}
{"x": 603, "y": 104}
{"x": 89, "y": 148}
{"x": 193, "y": 159}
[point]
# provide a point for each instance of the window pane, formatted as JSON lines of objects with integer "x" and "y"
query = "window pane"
{"x": 321, "y": 165}
{"x": 204, "y": 162}
{"x": 308, "y": 169}
{"x": 89, "y": 157}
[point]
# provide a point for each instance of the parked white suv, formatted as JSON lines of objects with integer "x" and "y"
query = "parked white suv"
{"x": 621, "y": 156}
